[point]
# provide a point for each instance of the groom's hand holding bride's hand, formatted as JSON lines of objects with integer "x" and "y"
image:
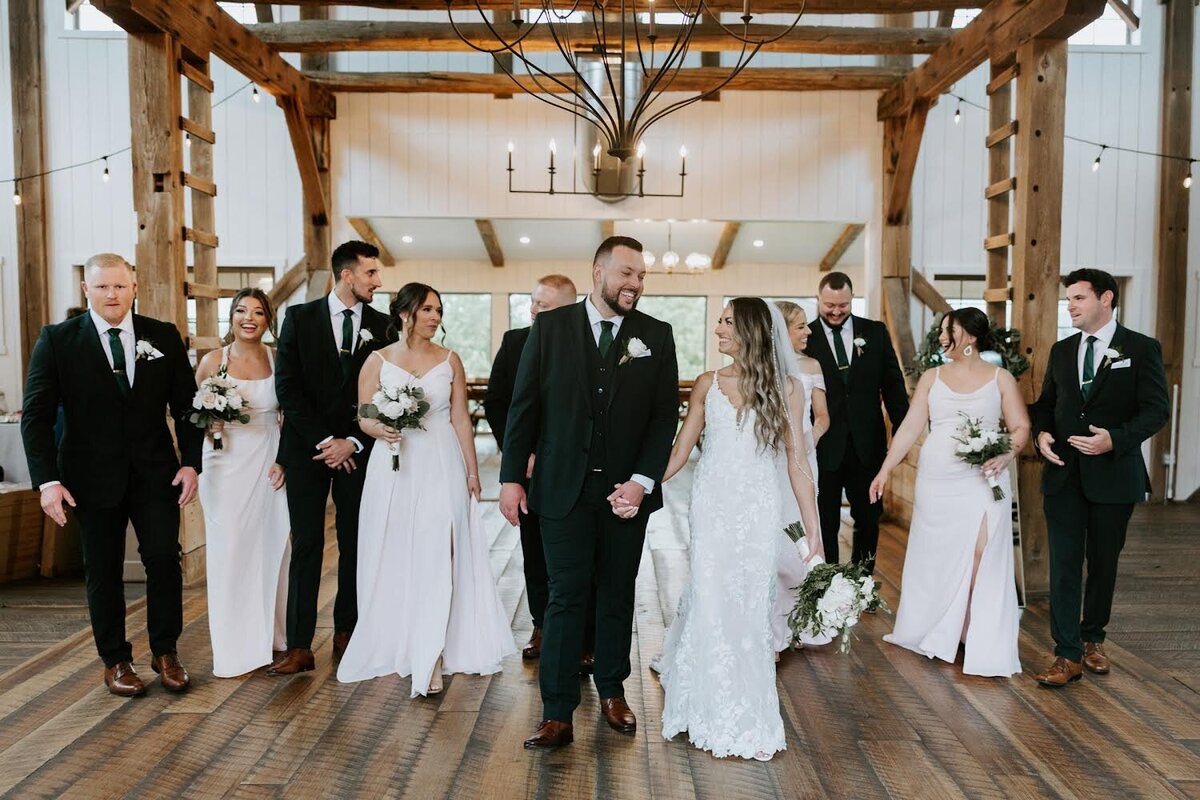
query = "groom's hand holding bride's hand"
{"x": 512, "y": 502}
{"x": 337, "y": 454}
{"x": 52, "y": 503}
{"x": 627, "y": 499}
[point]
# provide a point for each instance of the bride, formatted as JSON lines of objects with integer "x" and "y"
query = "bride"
{"x": 958, "y": 583}
{"x": 427, "y": 602}
{"x": 718, "y": 662}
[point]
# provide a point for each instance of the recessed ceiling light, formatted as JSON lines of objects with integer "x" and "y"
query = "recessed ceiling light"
{"x": 759, "y": 242}
{"x": 524, "y": 240}
{"x": 406, "y": 239}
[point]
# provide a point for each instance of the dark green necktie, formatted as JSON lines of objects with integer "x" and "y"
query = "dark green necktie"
{"x": 118, "y": 356}
{"x": 1089, "y": 368}
{"x": 606, "y": 337}
{"x": 347, "y": 339}
{"x": 839, "y": 350}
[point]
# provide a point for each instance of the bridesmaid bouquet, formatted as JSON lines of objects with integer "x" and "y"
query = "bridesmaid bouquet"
{"x": 218, "y": 399}
{"x": 399, "y": 408}
{"x": 977, "y": 446}
{"x": 832, "y": 598}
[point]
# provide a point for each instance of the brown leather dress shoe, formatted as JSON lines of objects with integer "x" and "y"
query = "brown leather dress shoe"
{"x": 341, "y": 640}
{"x": 296, "y": 659}
{"x": 533, "y": 649}
{"x": 551, "y": 733}
{"x": 1094, "y": 658}
{"x": 171, "y": 673}
{"x": 1060, "y": 673}
{"x": 122, "y": 681}
{"x": 618, "y": 715}
{"x": 587, "y": 663}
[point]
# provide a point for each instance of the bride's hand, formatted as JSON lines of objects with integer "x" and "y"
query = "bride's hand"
{"x": 389, "y": 434}
{"x": 275, "y": 477}
{"x": 995, "y": 466}
{"x": 815, "y": 547}
{"x": 216, "y": 426}
{"x": 473, "y": 486}
{"x": 876, "y": 490}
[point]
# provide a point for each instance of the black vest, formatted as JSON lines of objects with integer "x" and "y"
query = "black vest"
{"x": 600, "y": 373}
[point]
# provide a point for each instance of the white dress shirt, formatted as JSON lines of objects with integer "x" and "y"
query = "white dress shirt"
{"x": 336, "y": 308}
{"x": 847, "y": 338}
{"x": 594, "y": 320}
{"x": 1103, "y": 340}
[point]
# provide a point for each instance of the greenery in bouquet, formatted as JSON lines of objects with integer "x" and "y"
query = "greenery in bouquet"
{"x": 399, "y": 408}
{"x": 218, "y": 399}
{"x": 831, "y": 600}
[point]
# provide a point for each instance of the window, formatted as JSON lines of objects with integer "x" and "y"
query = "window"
{"x": 89, "y": 18}
{"x": 688, "y": 318}
{"x": 466, "y": 328}
{"x": 966, "y": 291}
{"x": 232, "y": 278}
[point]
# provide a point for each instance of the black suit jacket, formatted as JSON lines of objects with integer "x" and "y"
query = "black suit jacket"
{"x": 317, "y": 400}
{"x": 1130, "y": 402}
{"x": 855, "y": 415}
{"x": 502, "y": 380}
{"x": 551, "y": 409}
{"x": 108, "y": 439}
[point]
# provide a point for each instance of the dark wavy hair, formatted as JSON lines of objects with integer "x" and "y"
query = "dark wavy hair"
{"x": 1100, "y": 281}
{"x": 974, "y": 322}
{"x": 259, "y": 295}
{"x": 760, "y": 380}
{"x": 407, "y": 301}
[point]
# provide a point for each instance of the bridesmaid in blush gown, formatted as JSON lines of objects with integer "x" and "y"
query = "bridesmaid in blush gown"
{"x": 427, "y": 601}
{"x": 958, "y": 583}
{"x": 245, "y": 513}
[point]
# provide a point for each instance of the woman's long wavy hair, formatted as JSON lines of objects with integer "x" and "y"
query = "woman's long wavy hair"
{"x": 408, "y": 300}
{"x": 264, "y": 301}
{"x": 760, "y": 381}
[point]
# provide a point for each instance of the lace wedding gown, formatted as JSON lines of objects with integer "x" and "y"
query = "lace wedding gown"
{"x": 718, "y": 662}
{"x": 425, "y": 585}
{"x": 953, "y": 504}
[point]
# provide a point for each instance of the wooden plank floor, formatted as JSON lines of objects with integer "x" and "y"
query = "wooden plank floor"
{"x": 880, "y": 722}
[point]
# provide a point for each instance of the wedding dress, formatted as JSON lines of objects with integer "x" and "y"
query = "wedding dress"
{"x": 718, "y": 662}
{"x": 425, "y": 585}
{"x": 952, "y": 508}
{"x": 246, "y": 530}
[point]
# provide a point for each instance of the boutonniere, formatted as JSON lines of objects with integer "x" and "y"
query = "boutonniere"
{"x": 1111, "y": 354}
{"x": 859, "y": 344}
{"x": 365, "y": 336}
{"x": 146, "y": 351}
{"x": 634, "y": 348}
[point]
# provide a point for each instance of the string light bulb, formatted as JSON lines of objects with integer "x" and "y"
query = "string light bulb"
{"x": 1187, "y": 179}
{"x": 104, "y": 174}
{"x": 255, "y": 96}
{"x": 958, "y": 112}
{"x": 16, "y": 193}
{"x": 187, "y": 140}
{"x": 1096, "y": 163}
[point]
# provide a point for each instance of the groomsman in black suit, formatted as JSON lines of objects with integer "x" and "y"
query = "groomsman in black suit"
{"x": 115, "y": 374}
{"x": 552, "y": 291}
{"x": 1105, "y": 392}
{"x": 322, "y": 347}
{"x": 860, "y": 368}
{"x": 596, "y": 397}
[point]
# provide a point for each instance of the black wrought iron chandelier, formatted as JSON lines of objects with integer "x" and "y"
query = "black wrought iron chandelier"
{"x": 616, "y": 80}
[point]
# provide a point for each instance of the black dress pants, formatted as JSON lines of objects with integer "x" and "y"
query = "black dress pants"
{"x": 855, "y": 478}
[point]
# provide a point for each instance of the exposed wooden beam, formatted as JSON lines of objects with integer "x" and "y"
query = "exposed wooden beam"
{"x": 502, "y": 63}
{"x": 899, "y": 319}
{"x": 760, "y": 6}
{"x": 946, "y": 18}
{"x": 26, "y": 66}
{"x": 783, "y": 79}
{"x": 1171, "y": 258}
{"x": 1126, "y": 13}
{"x": 487, "y": 232}
{"x": 1037, "y": 219}
{"x": 725, "y": 244}
{"x": 201, "y": 27}
{"x": 306, "y": 159}
{"x": 362, "y": 227}
{"x": 193, "y": 128}
{"x": 927, "y": 293}
{"x": 999, "y": 29}
{"x": 73, "y": 5}
{"x": 288, "y": 283}
{"x": 608, "y": 228}
{"x": 905, "y": 166}
{"x": 263, "y": 12}
{"x": 318, "y": 238}
{"x": 846, "y": 238}
{"x": 352, "y": 35}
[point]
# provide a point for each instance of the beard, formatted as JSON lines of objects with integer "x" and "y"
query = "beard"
{"x": 613, "y": 299}
{"x": 363, "y": 297}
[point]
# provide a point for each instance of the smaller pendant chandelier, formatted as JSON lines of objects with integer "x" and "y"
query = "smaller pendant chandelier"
{"x": 669, "y": 262}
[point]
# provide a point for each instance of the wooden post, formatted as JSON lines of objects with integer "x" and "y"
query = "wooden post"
{"x": 318, "y": 246}
{"x": 1171, "y": 263}
{"x": 204, "y": 256}
{"x": 29, "y": 158}
{"x": 1036, "y": 255}
{"x": 998, "y": 202}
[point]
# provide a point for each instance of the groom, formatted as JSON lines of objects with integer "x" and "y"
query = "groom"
{"x": 115, "y": 373}
{"x": 860, "y": 367}
{"x": 322, "y": 347}
{"x": 597, "y": 395}
{"x": 1105, "y": 392}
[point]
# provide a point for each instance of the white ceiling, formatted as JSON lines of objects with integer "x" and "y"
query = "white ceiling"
{"x": 457, "y": 239}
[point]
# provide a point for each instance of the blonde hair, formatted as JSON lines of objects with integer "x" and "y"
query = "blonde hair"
{"x": 760, "y": 383}
{"x": 790, "y": 310}
{"x": 106, "y": 260}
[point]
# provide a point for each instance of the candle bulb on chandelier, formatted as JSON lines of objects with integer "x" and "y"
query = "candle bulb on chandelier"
{"x": 746, "y": 16}
{"x": 510, "y": 151}
{"x": 553, "y": 150}
{"x": 516, "y": 15}
{"x": 596, "y": 158}
{"x": 682, "y": 159}
{"x": 651, "y": 36}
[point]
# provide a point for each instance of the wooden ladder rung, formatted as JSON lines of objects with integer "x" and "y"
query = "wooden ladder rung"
{"x": 199, "y": 184}
{"x": 205, "y": 291}
{"x": 195, "y": 75}
{"x": 201, "y": 343}
{"x": 997, "y": 295}
{"x": 1003, "y": 132}
{"x": 1003, "y": 78}
{"x": 197, "y": 130}
{"x": 999, "y": 242}
{"x": 200, "y": 237}
{"x": 1000, "y": 188}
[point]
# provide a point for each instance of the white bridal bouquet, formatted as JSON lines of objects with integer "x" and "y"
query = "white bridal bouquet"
{"x": 218, "y": 399}
{"x": 978, "y": 445}
{"x": 397, "y": 407}
{"x": 832, "y": 598}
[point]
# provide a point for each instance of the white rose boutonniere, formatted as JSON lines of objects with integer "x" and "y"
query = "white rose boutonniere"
{"x": 365, "y": 336}
{"x": 634, "y": 348}
{"x": 859, "y": 344}
{"x": 146, "y": 351}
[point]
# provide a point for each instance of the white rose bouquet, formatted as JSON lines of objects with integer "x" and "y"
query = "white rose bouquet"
{"x": 831, "y": 600}
{"x": 218, "y": 399}
{"x": 978, "y": 445}
{"x": 399, "y": 408}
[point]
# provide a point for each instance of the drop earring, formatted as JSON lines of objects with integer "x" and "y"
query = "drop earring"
{"x": 968, "y": 350}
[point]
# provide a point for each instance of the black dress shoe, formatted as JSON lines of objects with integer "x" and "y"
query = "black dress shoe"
{"x": 551, "y": 733}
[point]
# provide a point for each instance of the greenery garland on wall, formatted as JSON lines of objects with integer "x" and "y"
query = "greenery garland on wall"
{"x": 1007, "y": 352}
